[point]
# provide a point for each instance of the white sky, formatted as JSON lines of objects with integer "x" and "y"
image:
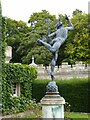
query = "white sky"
{"x": 22, "y": 9}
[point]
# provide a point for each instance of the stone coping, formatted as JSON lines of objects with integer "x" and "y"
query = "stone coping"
{"x": 52, "y": 100}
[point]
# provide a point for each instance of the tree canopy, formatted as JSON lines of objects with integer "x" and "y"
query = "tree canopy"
{"x": 77, "y": 43}
{"x": 23, "y": 38}
{"x": 39, "y": 29}
{"x": 15, "y": 31}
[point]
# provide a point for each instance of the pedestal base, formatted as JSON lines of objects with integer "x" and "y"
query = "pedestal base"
{"x": 52, "y": 105}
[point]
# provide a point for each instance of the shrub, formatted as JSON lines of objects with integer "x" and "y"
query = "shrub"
{"x": 67, "y": 107}
{"x": 74, "y": 91}
{"x": 13, "y": 73}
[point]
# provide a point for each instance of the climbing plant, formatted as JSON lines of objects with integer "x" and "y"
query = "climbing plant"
{"x": 13, "y": 73}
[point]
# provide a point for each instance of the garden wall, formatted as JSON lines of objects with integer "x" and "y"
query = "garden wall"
{"x": 22, "y": 74}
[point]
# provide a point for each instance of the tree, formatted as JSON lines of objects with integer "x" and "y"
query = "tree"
{"x": 77, "y": 43}
{"x": 23, "y": 39}
{"x": 40, "y": 24}
{"x": 76, "y": 12}
{"x": 15, "y": 31}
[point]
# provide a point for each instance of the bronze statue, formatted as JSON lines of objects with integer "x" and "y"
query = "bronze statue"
{"x": 60, "y": 37}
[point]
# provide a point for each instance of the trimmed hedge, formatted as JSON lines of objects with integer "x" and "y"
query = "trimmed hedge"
{"x": 13, "y": 73}
{"x": 74, "y": 91}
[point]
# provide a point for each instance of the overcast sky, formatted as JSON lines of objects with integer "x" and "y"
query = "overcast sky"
{"x": 22, "y": 9}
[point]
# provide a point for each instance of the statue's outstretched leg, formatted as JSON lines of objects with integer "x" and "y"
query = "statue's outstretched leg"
{"x": 48, "y": 46}
{"x": 54, "y": 50}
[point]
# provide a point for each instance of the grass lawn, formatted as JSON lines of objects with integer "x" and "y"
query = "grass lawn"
{"x": 76, "y": 115}
{"x": 72, "y": 115}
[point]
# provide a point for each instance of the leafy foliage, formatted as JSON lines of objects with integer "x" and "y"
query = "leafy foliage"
{"x": 3, "y": 42}
{"x": 77, "y": 48}
{"x": 0, "y": 55}
{"x": 39, "y": 29}
{"x": 75, "y": 92}
{"x": 23, "y": 38}
{"x": 2, "y": 50}
{"x": 15, "y": 31}
{"x": 12, "y": 74}
{"x": 77, "y": 11}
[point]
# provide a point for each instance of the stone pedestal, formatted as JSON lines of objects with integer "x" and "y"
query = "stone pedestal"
{"x": 52, "y": 103}
{"x": 8, "y": 54}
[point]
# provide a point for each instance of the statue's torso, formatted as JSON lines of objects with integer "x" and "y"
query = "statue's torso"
{"x": 62, "y": 33}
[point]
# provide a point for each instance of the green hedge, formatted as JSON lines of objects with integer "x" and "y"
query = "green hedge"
{"x": 75, "y": 92}
{"x": 13, "y": 73}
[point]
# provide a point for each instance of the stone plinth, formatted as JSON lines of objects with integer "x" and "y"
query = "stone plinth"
{"x": 8, "y": 53}
{"x": 52, "y": 105}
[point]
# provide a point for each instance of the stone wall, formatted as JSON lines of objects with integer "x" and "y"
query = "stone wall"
{"x": 65, "y": 71}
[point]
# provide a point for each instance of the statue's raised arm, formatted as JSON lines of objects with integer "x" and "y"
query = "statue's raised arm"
{"x": 70, "y": 27}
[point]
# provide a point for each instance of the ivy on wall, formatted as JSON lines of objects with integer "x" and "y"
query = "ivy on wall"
{"x": 3, "y": 42}
{"x": 13, "y": 73}
{"x": 2, "y": 49}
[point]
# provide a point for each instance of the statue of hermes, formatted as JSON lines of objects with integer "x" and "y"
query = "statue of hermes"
{"x": 60, "y": 37}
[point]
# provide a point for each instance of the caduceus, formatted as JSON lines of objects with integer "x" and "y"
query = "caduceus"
{"x": 48, "y": 29}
